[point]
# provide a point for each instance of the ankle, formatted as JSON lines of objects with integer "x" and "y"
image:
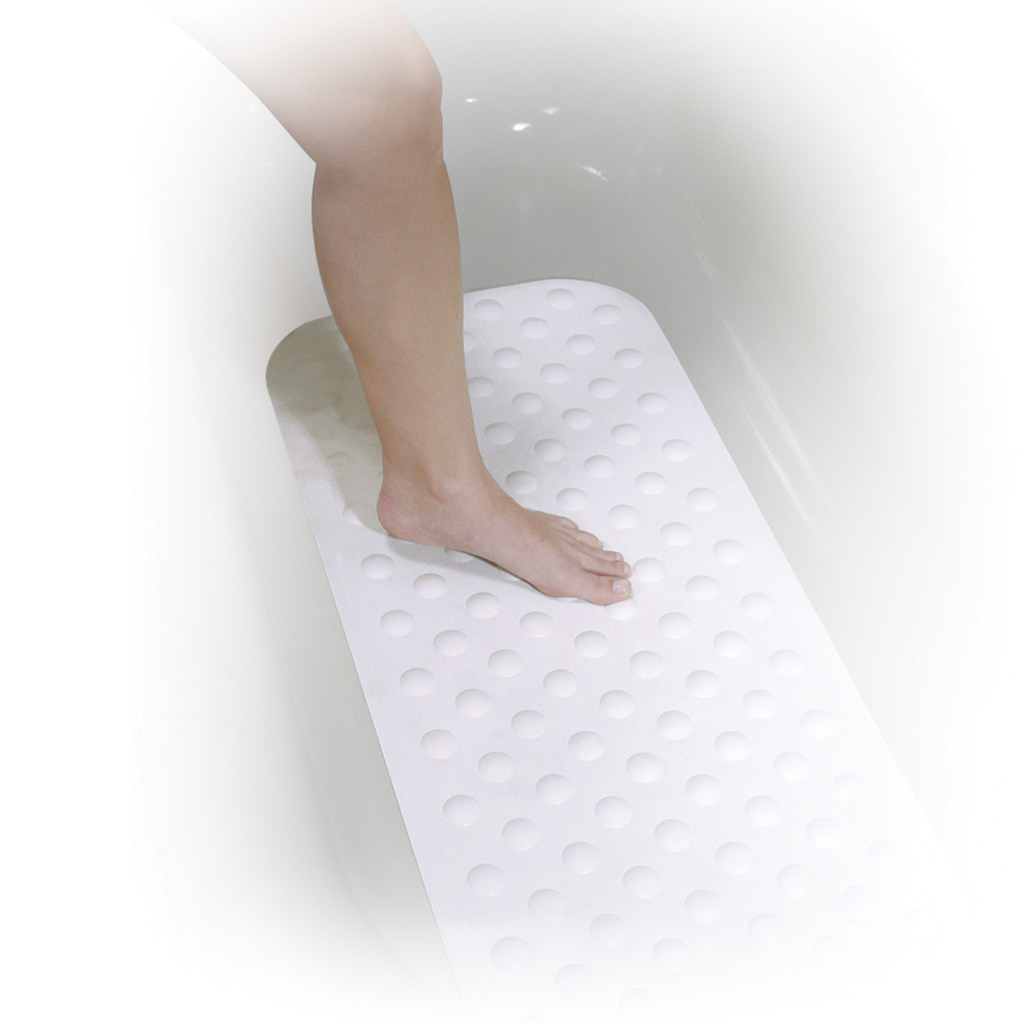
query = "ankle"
{"x": 418, "y": 483}
{"x": 434, "y": 509}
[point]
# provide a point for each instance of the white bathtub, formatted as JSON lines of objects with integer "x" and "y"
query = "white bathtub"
{"x": 776, "y": 189}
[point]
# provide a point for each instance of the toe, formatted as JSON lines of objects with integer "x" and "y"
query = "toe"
{"x": 595, "y": 562}
{"x": 563, "y": 523}
{"x": 607, "y": 589}
{"x": 572, "y": 530}
{"x": 606, "y": 556}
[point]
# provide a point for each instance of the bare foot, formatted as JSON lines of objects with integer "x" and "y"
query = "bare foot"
{"x": 549, "y": 552}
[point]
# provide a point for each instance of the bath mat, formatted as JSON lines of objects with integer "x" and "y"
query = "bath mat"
{"x": 608, "y": 806}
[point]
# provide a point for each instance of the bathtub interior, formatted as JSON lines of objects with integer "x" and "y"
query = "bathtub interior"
{"x": 764, "y": 182}
{"x": 769, "y": 186}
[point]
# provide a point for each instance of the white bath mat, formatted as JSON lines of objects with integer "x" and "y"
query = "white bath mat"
{"x": 607, "y": 805}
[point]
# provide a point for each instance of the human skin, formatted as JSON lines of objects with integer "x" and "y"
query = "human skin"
{"x": 357, "y": 89}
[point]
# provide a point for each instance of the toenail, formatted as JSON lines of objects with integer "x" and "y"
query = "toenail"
{"x": 620, "y": 586}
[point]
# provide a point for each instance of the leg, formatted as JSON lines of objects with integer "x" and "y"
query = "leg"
{"x": 359, "y": 92}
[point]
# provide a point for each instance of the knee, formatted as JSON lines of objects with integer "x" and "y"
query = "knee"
{"x": 351, "y": 82}
{"x": 386, "y": 120}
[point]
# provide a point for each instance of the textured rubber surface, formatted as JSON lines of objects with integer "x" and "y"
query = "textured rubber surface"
{"x": 607, "y": 802}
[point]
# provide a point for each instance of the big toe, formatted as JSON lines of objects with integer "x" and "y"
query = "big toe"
{"x": 604, "y": 589}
